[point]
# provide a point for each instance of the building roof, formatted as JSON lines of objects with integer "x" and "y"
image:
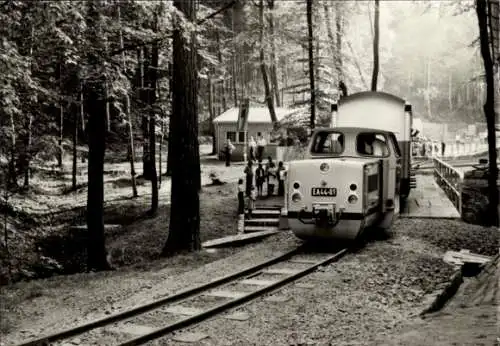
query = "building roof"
{"x": 255, "y": 115}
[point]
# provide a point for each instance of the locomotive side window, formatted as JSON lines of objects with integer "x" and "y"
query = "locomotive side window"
{"x": 372, "y": 144}
{"x": 328, "y": 143}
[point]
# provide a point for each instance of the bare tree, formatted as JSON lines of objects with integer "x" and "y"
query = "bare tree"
{"x": 311, "y": 62}
{"x": 96, "y": 108}
{"x": 131, "y": 147}
{"x": 489, "y": 111}
{"x": 339, "y": 19}
{"x": 274, "y": 73}
{"x": 153, "y": 79}
{"x": 184, "y": 229}
{"x": 375, "y": 46}
{"x": 263, "y": 70}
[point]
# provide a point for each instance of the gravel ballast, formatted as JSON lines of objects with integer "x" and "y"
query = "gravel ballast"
{"x": 62, "y": 307}
{"x": 357, "y": 301}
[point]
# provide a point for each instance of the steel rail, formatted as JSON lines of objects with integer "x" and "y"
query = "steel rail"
{"x": 188, "y": 321}
{"x": 69, "y": 332}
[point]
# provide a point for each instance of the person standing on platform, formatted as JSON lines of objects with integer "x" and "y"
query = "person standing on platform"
{"x": 281, "y": 179}
{"x": 249, "y": 177}
{"x": 251, "y": 201}
{"x": 260, "y": 176}
{"x": 253, "y": 148}
{"x": 261, "y": 146}
{"x": 271, "y": 179}
{"x": 228, "y": 151}
{"x": 443, "y": 148}
{"x": 241, "y": 197}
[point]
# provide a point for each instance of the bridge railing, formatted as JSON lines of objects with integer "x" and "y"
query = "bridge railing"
{"x": 454, "y": 149}
{"x": 450, "y": 180}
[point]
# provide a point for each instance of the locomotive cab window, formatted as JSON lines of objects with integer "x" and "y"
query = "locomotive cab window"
{"x": 395, "y": 145}
{"x": 330, "y": 143}
{"x": 372, "y": 144}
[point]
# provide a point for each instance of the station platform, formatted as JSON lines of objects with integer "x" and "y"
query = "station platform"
{"x": 428, "y": 200}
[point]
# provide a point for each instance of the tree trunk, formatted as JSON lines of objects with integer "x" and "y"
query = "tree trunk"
{"x": 311, "y": 63}
{"x": 169, "y": 144}
{"x": 339, "y": 33}
{"x": 131, "y": 147}
{"x": 160, "y": 153}
{"x": 223, "y": 86}
{"x": 60, "y": 154}
{"x": 75, "y": 143}
{"x": 274, "y": 73}
{"x": 233, "y": 67}
{"x": 153, "y": 78}
{"x": 356, "y": 63}
{"x": 12, "y": 162}
{"x": 328, "y": 24}
{"x": 108, "y": 116}
{"x": 375, "y": 46}
{"x": 82, "y": 112}
{"x": 96, "y": 108}
{"x": 211, "y": 113}
{"x": 28, "y": 137}
{"x": 143, "y": 97}
{"x": 269, "y": 96}
{"x": 27, "y": 155}
{"x": 184, "y": 228}
{"x": 489, "y": 112}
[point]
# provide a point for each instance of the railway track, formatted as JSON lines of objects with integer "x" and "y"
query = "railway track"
{"x": 166, "y": 315}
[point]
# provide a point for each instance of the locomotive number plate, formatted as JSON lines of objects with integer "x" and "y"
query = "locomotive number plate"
{"x": 324, "y": 191}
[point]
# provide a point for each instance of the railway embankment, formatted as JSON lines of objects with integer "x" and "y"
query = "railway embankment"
{"x": 368, "y": 297}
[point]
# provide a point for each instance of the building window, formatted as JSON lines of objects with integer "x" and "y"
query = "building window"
{"x": 231, "y": 135}
{"x": 241, "y": 137}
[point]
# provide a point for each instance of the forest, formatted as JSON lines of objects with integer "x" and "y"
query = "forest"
{"x": 88, "y": 83}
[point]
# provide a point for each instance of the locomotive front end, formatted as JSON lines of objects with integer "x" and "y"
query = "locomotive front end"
{"x": 331, "y": 198}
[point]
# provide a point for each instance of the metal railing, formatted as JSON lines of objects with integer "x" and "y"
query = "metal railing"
{"x": 450, "y": 180}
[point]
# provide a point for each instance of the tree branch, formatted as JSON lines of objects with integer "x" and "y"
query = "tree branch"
{"x": 160, "y": 39}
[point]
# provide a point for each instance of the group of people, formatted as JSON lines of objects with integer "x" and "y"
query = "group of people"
{"x": 428, "y": 148}
{"x": 256, "y": 149}
{"x": 267, "y": 173}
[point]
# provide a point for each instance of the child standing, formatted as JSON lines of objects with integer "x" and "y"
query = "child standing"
{"x": 281, "y": 179}
{"x": 251, "y": 201}
{"x": 241, "y": 199}
{"x": 249, "y": 177}
{"x": 260, "y": 176}
{"x": 271, "y": 179}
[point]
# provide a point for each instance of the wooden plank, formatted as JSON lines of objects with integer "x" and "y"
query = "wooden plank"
{"x": 257, "y": 229}
{"x": 226, "y": 294}
{"x": 183, "y": 310}
{"x": 238, "y": 238}
{"x": 283, "y": 271}
{"x": 459, "y": 258}
{"x": 257, "y": 282}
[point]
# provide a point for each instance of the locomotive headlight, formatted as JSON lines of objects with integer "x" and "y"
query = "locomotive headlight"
{"x": 352, "y": 199}
{"x": 296, "y": 185}
{"x": 353, "y": 187}
{"x": 296, "y": 197}
{"x": 324, "y": 167}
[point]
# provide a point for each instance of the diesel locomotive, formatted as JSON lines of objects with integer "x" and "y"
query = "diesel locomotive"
{"x": 356, "y": 172}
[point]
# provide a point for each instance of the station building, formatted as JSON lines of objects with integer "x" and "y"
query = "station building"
{"x": 259, "y": 120}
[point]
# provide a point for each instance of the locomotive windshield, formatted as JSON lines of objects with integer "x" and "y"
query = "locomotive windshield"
{"x": 372, "y": 144}
{"x": 331, "y": 143}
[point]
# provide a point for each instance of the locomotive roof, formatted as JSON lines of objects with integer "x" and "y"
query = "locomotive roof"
{"x": 350, "y": 129}
{"x": 371, "y": 94}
